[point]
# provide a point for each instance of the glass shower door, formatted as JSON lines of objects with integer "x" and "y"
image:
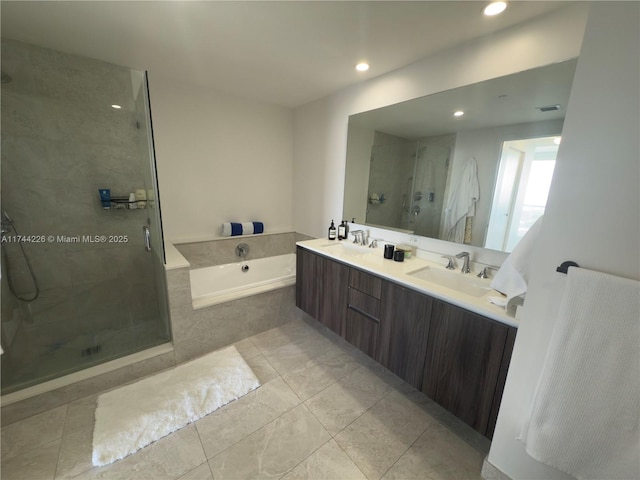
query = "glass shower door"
{"x": 79, "y": 286}
{"x": 151, "y": 231}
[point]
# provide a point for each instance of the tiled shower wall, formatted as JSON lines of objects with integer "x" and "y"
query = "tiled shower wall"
{"x": 61, "y": 142}
{"x": 391, "y": 174}
{"x": 401, "y": 168}
{"x": 432, "y": 169}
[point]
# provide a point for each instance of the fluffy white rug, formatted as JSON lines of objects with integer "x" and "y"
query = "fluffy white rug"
{"x": 133, "y": 416}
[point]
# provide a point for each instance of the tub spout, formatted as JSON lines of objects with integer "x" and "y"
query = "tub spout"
{"x": 242, "y": 250}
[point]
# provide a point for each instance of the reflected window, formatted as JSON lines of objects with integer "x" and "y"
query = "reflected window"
{"x": 522, "y": 187}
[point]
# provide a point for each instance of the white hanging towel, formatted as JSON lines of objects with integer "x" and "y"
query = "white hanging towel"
{"x": 585, "y": 412}
{"x": 513, "y": 277}
{"x": 462, "y": 202}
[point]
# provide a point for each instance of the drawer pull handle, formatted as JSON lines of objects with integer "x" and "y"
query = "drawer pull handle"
{"x": 363, "y": 313}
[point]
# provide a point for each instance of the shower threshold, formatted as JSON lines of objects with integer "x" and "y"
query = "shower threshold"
{"x": 85, "y": 374}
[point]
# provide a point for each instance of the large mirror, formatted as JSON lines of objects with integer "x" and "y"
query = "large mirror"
{"x": 478, "y": 177}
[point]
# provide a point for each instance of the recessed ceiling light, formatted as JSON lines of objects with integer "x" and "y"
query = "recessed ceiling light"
{"x": 362, "y": 67}
{"x": 117, "y": 107}
{"x": 494, "y": 8}
{"x": 459, "y": 113}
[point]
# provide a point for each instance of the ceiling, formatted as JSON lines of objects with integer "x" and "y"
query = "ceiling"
{"x": 287, "y": 53}
{"x": 509, "y": 100}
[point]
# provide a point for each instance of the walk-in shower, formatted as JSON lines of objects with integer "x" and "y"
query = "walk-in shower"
{"x": 408, "y": 182}
{"x": 79, "y": 286}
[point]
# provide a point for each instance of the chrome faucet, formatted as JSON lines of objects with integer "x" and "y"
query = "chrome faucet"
{"x": 484, "y": 273}
{"x": 360, "y": 237}
{"x": 242, "y": 250}
{"x": 465, "y": 264}
{"x": 450, "y": 263}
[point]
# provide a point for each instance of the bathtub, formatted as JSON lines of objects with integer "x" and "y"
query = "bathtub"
{"x": 223, "y": 283}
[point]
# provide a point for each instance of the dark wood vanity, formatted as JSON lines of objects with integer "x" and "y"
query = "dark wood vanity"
{"x": 456, "y": 357}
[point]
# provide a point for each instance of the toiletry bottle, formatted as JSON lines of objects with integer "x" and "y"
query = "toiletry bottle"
{"x": 332, "y": 231}
{"x": 105, "y": 197}
{"x": 346, "y": 229}
{"x": 132, "y": 201}
{"x": 341, "y": 231}
{"x": 141, "y": 197}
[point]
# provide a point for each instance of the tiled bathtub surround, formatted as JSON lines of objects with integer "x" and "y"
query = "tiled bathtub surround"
{"x": 196, "y": 332}
{"x": 324, "y": 411}
{"x": 219, "y": 252}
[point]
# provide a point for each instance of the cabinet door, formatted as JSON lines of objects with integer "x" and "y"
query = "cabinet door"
{"x": 307, "y": 285}
{"x": 404, "y": 330}
{"x": 463, "y": 362}
{"x": 502, "y": 379}
{"x": 334, "y": 283}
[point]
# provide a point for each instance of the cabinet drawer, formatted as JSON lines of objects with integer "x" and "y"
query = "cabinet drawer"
{"x": 364, "y": 304}
{"x": 366, "y": 283}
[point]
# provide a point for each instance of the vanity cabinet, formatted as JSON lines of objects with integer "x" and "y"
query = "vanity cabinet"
{"x": 457, "y": 358}
{"x": 467, "y": 358}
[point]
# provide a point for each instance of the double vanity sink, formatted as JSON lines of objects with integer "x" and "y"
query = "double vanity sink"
{"x": 432, "y": 327}
{"x": 425, "y": 275}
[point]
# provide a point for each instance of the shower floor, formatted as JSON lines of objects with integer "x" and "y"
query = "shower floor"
{"x": 31, "y": 360}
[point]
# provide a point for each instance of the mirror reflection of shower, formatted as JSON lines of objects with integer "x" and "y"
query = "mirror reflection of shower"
{"x": 412, "y": 175}
{"x": 10, "y": 235}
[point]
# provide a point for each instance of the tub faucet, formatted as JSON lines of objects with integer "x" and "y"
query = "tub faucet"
{"x": 465, "y": 264}
{"x": 242, "y": 250}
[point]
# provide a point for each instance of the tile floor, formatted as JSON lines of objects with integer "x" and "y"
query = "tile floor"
{"x": 323, "y": 411}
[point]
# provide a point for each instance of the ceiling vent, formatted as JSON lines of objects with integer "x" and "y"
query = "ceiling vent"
{"x": 549, "y": 108}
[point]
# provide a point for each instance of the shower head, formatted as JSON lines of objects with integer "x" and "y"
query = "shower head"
{"x": 5, "y": 78}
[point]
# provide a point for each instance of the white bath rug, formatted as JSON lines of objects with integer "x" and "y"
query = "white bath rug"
{"x": 133, "y": 416}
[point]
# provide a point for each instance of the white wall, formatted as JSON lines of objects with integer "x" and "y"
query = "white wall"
{"x": 593, "y": 212}
{"x": 220, "y": 158}
{"x": 320, "y": 128}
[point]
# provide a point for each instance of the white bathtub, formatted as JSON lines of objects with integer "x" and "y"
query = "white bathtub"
{"x": 223, "y": 283}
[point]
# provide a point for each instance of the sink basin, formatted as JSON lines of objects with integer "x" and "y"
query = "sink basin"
{"x": 346, "y": 249}
{"x": 468, "y": 284}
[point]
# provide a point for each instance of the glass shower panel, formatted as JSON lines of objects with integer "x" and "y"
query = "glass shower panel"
{"x": 78, "y": 286}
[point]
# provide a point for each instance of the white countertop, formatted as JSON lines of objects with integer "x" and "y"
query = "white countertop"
{"x": 373, "y": 261}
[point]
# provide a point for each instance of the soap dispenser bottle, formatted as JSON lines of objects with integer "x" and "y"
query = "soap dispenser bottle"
{"x": 342, "y": 231}
{"x": 332, "y": 231}
{"x": 346, "y": 229}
